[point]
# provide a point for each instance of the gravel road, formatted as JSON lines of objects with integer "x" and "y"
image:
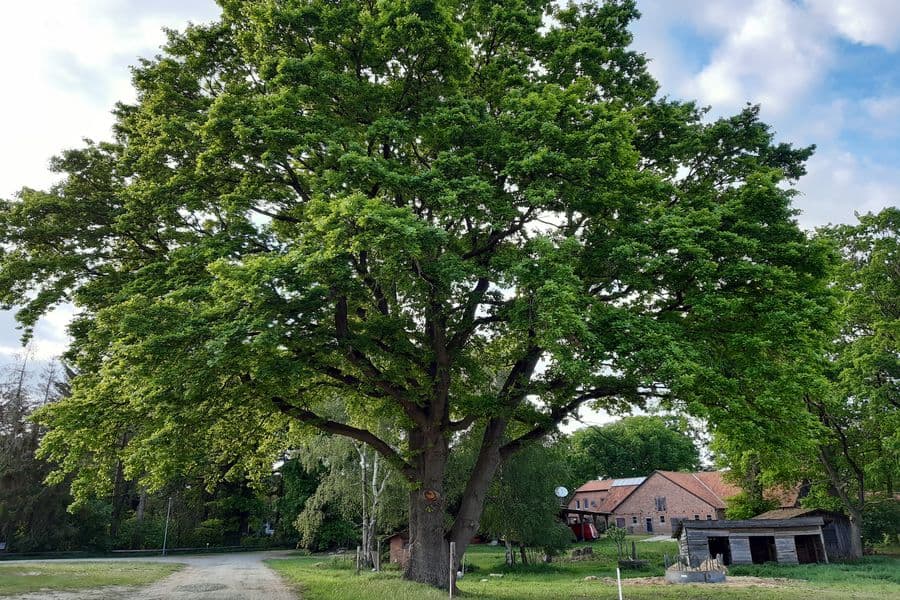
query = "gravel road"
{"x": 238, "y": 576}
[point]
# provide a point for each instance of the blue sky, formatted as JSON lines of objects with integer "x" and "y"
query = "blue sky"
{"x": 826, "y": 72}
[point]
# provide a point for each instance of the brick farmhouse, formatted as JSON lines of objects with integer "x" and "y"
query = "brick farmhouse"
{"x": 659, "y": 502}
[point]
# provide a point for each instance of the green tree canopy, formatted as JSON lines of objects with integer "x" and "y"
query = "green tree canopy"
{"x": 845, "y": 438}
{"x": 632, "y": 447}
{"x": 435, "y": 213}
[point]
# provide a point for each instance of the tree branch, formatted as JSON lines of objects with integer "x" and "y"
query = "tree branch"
{"x": 334, "y": 427}
{"x": 362, "y": 362}
{"x": 555, "y": 417}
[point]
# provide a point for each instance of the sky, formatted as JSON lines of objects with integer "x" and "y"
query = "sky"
{"x": 825, "y": 72}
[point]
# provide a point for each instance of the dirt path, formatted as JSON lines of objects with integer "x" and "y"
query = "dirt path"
{"x": 238, "y": 576}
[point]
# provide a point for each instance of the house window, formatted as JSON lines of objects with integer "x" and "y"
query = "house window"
{"x": 578, "y": 504}
{"x": 662, "y": 518}
{"x": 660, "y": 503}
{"x": 593, "y": 504}
{"x": 696, "y": 517}
{"x": 634, "y": 520}
{"x": 709, "y": 517}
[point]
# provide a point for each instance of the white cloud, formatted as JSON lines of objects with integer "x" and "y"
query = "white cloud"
{"x": 870, "y": 22}
{"x": 773, "y": 54}
{"x": 882, "y": 108}
{"x": 65, "y": 65}
{"x": 839, "y": 185}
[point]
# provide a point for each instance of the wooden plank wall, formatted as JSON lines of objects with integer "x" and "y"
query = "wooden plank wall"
{"x": 740, "y": 550}
{"x": 786, "y": 550}
{"x": 697, "y": 547}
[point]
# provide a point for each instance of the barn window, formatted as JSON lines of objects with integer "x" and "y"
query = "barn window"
{"x": 662, "y": 518}
{"x": 634, "y": 520}
{"x": 709, "y": 517}
{"x": 660, "y": 503}
{"x": 696, "y": 517}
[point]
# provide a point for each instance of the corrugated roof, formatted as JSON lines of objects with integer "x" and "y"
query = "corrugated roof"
{"x": 749, "y": 524}
{"x": 785, "y": 513}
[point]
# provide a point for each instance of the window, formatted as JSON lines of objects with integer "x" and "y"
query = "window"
{"x": 634, "y": 520}
{"x": 696, "y": 517}
{"x": 578, "y": 504}
{"x": 593, "y": 504}
{"x": 662, "y": 518}
{"x": 660, "y": 503}
{"x": 709, "y": 517}
{"x": 620, "y": 522}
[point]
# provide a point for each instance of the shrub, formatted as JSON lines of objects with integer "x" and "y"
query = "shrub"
{"x": 881, "y": 522}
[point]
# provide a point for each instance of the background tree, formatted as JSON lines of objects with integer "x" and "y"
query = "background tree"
{"x": 521, "y": 507}
{"x": 844, "y": 390}
{"x": 444, "y": 213}
{"x": 632, "y": 447}
{"x": 354, "y": 485}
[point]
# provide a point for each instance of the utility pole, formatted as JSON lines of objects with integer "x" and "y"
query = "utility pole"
{"x": 166, "y": 530}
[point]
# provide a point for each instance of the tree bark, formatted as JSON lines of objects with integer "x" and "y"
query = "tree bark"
{"x": 856, "y": 543}
{"x": 429, "y": 549}
{"x": 467, "y": 520}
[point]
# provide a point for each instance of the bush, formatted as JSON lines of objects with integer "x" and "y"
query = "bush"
{"x": 140, "y": 535}
{"x": 745, "y": 506}
{"x": 881, "y": 522}
{"x": 209, "y": 533}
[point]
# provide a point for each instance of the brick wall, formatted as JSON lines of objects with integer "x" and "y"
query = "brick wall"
{"x": 584, "y": 500}
{"x": 679, "y": 504}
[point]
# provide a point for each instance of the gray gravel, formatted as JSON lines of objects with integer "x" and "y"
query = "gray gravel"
{"x": 237, "y": 576}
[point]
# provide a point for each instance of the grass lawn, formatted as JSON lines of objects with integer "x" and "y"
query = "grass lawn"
{"x": 328, "y": 578}
{"x": 19, "y": 578}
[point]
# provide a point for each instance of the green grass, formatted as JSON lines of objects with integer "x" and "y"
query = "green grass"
{"x": 871, "y": 569}
{"x": 23, "y": 577}
{"x": 324, "y": 578}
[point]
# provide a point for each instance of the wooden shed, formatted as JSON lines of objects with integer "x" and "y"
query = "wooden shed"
{"x": 835, "y": 528}
{"x": 399, "y": 548}
{"x": 755, "y": 541}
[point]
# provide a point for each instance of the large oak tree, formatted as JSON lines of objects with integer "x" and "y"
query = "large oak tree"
{"x": 435, "y": 213}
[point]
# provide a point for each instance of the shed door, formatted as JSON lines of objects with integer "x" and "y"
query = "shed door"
{"x": 649, "y": 521}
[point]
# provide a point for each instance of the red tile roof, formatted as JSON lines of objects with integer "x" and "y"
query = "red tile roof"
{"x": 709, "y": 486}
{"x": 615, "y": 497}
{"x": 597, "y": 485}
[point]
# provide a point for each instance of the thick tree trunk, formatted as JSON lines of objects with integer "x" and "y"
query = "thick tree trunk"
{"x": 856, "y": 543}
{"x": 472, "y": 505}
{"x": 429, "y": 543}
{"x": 429, "y": 550}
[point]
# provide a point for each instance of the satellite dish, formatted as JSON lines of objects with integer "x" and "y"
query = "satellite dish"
{"x": 561, "y": 492}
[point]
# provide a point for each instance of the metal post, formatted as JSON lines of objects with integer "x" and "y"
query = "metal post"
{"x": 619, "y": 581}
{"x": 166, "y": 530}
{"x": 452, "y": 567}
